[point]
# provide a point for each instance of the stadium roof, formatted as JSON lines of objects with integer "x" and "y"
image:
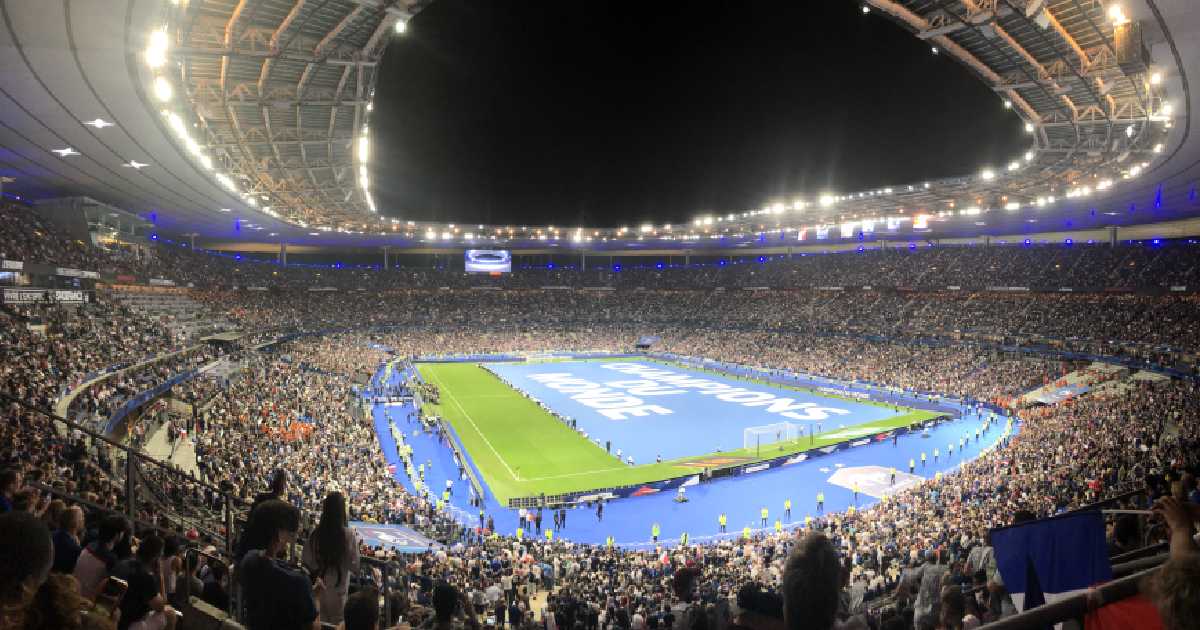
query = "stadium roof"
{"x": 248, "y": 121}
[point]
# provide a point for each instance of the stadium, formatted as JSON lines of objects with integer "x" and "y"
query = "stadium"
{"x": 266, "y": 364}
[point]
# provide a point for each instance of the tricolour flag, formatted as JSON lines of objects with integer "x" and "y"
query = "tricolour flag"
{"x": 1049, "y": 559}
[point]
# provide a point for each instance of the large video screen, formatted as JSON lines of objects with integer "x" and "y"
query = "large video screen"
{"x": 489, "y": 260}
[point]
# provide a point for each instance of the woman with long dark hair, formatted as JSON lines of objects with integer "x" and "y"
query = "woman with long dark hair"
{"x": 332, "y": 554}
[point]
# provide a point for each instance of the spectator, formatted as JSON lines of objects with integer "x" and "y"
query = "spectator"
{"x": 362, "y": 610}
{"x": 332, "y": 554}
{"x": 448, "y": 604}
{"x": 811, "y": 583}
{"x": 28, "y": 554}
{"x": 144, "y": 607}
{"x": 276, "y": 596}
{"x": 66, "y": 539}
{"x": 10, "y": 483}
{"x": 98, "y": 559}
{"x": 58, "y": 606}
{"x": 216, "y": 586}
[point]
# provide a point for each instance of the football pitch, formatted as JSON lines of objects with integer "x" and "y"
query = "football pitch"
{"x": 691, "y": 418}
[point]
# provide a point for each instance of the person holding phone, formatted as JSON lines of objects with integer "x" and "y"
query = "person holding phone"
{"x": 144, "y": 606}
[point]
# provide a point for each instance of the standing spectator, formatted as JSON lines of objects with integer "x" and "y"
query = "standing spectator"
{"x": 97, "y": 560}
{"x": 66, "y": 539}
{"x": 332, "y": 554}
{"x": 144, "y": 607}
{"x": 216, "y": 586}
{"x": 447, "y": 600}
{"x": 276, "y": 596}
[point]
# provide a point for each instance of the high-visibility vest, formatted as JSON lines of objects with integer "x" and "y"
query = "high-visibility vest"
{"x": 808, "y": 519}
{"x": 764, "y": 512}
{"x": 683, "y": 538}
{"x": 520, "y": 533}
{"x": 787, "y": 504}
{"x": 608, "y": 542}
{"x": 912, "y": 463}
{"x": 820, "y": 497}
{"x": 723, "y": 520}
{"x": 746, "y": 532}
{"x": 549, "y": 535}
{"x": 654, "y": 529}
{"x": 778, "y": 526}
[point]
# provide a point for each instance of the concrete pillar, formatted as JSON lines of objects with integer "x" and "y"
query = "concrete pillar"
{"x": 385, "y": 257}
{"x": 1112, "y": 236}
{"x": 583, "y": 260}
{"x": 283, "y": 253}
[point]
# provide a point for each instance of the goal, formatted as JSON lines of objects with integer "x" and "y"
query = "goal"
{"x": 766, "y": 435}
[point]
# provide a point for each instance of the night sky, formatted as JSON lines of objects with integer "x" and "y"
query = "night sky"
{"x": 603, "y": 114}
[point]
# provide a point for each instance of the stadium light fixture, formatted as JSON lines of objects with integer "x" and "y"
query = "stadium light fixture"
{"x": 156, "y": 49}
{"x": 933, "y": 49}
{"x": 363, "y": 148}
{"x": 1116, "y": 15}
{"x": 99, "y": 123}
{"x": 1029, "y": 128}
{"x": 1129, "y": 131}
{"x": 987, "y": 174}
{"x": 65, "y": 152}
{"x": 1155, "y": 78}
{"x": 826, "y": 200}
{"x": 1012, "y": 205}
{"x": 1007, "y": 104}
{"x": 1158, "y": 148}
{"x": 1029, "y": 156}
{"x": 162, "y": 89}
{"x": 401, "y": 27}
{"x": 1014, "y": 165}
{"x": 866, "y": 9}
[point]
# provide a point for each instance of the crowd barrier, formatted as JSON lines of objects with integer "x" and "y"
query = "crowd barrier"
{"x": 142, "y": 398}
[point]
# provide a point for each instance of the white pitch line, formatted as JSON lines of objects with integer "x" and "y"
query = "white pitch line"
{"x": 476, "y": 427}
{"x": 576, "y": 474}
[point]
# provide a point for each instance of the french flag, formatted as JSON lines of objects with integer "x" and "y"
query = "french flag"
{"x": 1046, "y": 560}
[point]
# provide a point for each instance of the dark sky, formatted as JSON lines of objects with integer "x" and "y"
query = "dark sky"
{"x": 579, "y": 112}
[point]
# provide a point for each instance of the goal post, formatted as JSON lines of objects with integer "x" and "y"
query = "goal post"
{"x": 776, "y": 434}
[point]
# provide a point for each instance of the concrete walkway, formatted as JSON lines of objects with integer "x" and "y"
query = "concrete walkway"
{"x": 183, "y": 455}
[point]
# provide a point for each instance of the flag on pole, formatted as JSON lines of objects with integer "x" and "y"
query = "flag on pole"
{"x": 1049, "y": 559}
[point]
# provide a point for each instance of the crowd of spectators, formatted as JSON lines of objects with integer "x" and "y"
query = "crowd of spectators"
{"x": 290, "y": 409}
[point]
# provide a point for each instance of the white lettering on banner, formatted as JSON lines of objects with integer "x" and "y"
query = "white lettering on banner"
{"x": 618, "y": 399}
{"x": 13, "y": 265}
{"x": 641, "y": 410}
{"x": 25, "y": 296}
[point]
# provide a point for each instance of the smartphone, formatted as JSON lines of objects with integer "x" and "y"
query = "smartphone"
{"x": 114, "y": 588}
{"x": 110, "y": 595}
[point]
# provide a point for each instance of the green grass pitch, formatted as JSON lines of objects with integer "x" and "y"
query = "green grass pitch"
{"x": 523, "y": 451}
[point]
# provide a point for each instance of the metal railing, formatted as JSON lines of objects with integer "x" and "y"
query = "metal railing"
{"x": 142, "y": 482}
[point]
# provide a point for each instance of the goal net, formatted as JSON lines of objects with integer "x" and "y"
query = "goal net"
{"x": 769, "y": 434}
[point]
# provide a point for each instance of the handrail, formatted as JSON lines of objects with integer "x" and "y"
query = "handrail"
{"x": 1073, "y": 606}
{"x": 112, "y": 443}
{"x": 1138, "y": 554}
